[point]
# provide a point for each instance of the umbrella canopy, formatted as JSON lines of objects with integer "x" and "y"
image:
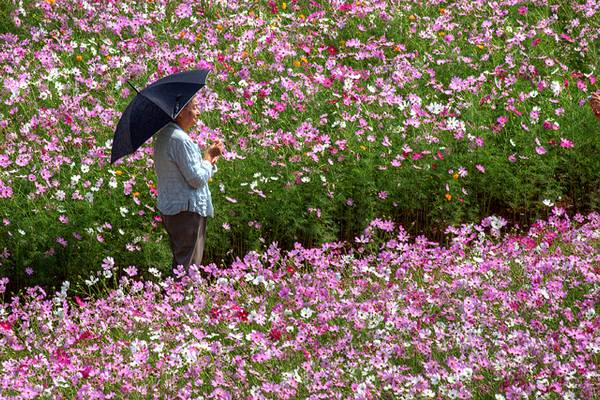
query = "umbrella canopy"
{"x": 153, "y": 108}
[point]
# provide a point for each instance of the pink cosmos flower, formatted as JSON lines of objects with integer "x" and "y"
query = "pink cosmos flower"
{"x": 566, "y": 143}
{"x": 79, "y": 302}
{"x": 540, "y": 150}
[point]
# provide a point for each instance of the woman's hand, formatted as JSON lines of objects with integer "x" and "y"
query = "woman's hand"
{"x": 214, "y": 151}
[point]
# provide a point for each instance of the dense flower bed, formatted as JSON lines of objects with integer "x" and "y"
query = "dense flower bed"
{"x": 494, "y": 315}
{"x": 430, "y": 112}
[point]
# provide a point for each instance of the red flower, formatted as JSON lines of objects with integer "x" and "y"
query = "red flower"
{"x": 85, "y": 335}
{"x": 5, "y": 325}
{"x": 275, "y": 334}
{"x": 273, "y": 6}
{"x": 85, "y": 371}
{"x": 242, "y": 315}
{"x": 332, "y": 50}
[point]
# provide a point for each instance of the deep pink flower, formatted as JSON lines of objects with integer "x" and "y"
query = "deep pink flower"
{"x": 566, "y": 143}
{"x": 275, "y": 334}
{"x": 567, "y": 37}
{"x": 79, "y": 302}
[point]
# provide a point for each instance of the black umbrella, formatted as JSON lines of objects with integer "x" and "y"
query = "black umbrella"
{"x": 153, "y": 108}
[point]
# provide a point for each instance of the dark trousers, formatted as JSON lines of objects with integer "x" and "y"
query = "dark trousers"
{"x": 187, "y": 234}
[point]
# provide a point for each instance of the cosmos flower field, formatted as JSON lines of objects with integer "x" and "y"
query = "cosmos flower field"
{"x": 407, "y": 207}
{"x": 494, "y": 315}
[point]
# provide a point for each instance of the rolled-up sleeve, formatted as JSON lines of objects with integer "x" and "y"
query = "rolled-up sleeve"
{"x": 195, "y": 171}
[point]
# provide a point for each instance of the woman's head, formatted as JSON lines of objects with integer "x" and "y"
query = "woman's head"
{"x": 188, "y": 116}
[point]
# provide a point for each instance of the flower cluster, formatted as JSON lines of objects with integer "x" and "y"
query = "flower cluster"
{"x": 493, "y": 314}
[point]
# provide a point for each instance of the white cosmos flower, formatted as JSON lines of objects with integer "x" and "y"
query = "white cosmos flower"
{"x": 154, "y": 272}
{"x": 555, "y": 87}
{"x": 306, "y": 313}
{"x": 92, "y": 281}
{"x": 435, "y": 108}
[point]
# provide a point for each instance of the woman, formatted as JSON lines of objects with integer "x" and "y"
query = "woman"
{"x": 184, "y": 198}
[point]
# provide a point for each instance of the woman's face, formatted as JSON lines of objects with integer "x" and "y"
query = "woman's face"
{"x": 188, "y": 117}
{"x": 194, "y": 109}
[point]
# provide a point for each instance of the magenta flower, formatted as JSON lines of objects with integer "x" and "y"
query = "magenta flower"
{"x": 540, "y": 150}
{"x": 566, "y": 143}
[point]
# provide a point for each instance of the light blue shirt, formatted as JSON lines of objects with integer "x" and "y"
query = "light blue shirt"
{"x": 182, "y": 174}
